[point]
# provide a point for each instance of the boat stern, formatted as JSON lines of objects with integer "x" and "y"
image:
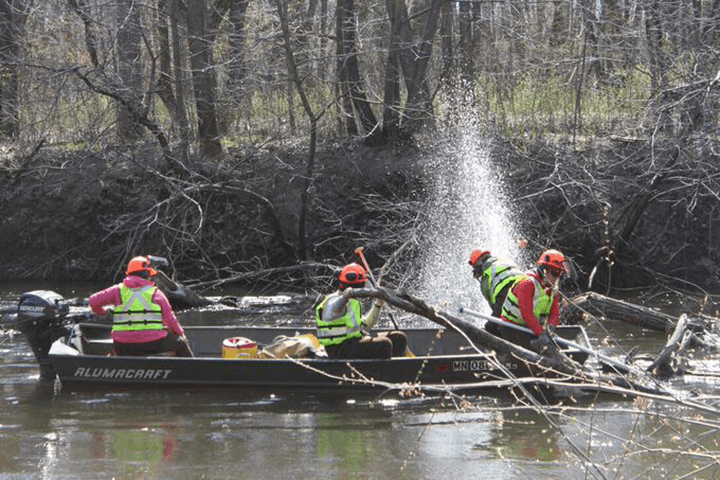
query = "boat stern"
{"x": 40, "y": 318}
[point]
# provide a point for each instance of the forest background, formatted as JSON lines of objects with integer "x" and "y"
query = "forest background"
{"x": 260, "y": 141}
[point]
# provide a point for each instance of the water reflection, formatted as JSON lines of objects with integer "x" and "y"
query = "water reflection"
{"x": 217, "y": 434}
{"x": 135, "y": 443}
{"x": 525, "y": 435}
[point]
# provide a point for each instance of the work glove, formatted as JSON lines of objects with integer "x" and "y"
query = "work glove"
{"x": 379, "y": 302}
{"x": 544, "y": 344}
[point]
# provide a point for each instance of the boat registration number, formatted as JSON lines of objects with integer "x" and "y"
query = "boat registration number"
{"x": 471, "y": 366}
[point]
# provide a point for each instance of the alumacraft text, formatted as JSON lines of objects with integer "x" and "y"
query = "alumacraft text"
{"x": 123, "y": 373}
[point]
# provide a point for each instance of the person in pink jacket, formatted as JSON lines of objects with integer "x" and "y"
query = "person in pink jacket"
{"x": 143, "y": 320}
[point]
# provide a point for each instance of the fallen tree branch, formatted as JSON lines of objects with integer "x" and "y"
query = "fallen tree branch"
{"x": 479, "y": 336}
{"x": 662, "y": 366}
{"x": 266, "y": 272}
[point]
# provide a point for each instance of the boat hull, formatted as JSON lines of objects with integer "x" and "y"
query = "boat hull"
{"x": 443, "y": 362}
{"x": 301, "y": 373}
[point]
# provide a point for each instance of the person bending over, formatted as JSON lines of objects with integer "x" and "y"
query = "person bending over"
{"x": 496, "y": 275}
{"x": 532, "y": 302}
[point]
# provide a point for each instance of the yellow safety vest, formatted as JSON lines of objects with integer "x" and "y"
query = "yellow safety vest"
{"x": 497, "y": 274}
{"x": 542, "y": 304}
{"x": 340, "y": 329}
{"x": 137, "y": 310}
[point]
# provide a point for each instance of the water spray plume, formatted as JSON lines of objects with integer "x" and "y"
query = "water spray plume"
{"x": 468, "y": 209}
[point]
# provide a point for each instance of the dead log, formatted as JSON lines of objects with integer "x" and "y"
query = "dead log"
{"x": 699, "y": 326}
{"x": 601, "y": 306}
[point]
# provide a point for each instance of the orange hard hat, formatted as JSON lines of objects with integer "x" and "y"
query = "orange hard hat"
{"x": 553, "y": 259}
{"x": 353, "y": 274}
{"x": 477, "y": 255}
{"x": 140, "y": 264}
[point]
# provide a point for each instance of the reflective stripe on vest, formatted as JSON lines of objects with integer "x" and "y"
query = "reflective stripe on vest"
{"x": 137, "y": 311}
{"x": 542, "y": 303}
{"x": 497, "y": 273}
{"x": 342, "y": 328}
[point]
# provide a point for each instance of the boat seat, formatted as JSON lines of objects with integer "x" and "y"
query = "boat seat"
{"x": 96, "y": 346}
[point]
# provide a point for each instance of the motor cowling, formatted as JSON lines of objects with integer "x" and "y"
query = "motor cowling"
{"x": 40, "y": 317}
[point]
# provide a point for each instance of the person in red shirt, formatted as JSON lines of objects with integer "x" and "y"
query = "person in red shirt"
{"x": 532, "y": 302}
{"x": 143, "y": 320}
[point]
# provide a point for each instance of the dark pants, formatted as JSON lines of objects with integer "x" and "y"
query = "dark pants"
{"x": 171, "y": 343}
{"x": 511, "y": 335}
{"x": 383, "y": 345}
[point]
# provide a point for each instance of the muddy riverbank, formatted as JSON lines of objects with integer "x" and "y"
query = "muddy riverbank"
{"x": 629, "y": 214}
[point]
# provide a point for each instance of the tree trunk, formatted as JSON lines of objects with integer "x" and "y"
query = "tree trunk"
{"x": 600, "y": 305}
{"x": 81, "y": 10}
{"x": 391, "y": 93}
{"x": 12, "y": 30}
{"x": 654, "y": 36}
{"x": 238, "y": 35}
{"x": 414, "y": 60}
{"x": 180, "y": 110}
{"x": 304, "y": 252}
{"x": 706, "y": 105}
{"x": 345, "y": 103}
{"x": 349, "y": 69}
{"x": 465, "y": 45}
{"x": 164, "y": 89}
{"x": 201, "y": 61}
{"x": 129, "y": 68}
{"x": 446, "y": 42}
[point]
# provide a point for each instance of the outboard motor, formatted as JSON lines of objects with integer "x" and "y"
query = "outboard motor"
{"x": 41, "y": 315}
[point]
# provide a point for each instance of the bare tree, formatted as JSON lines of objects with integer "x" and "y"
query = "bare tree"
{"x": 200, "y": 42}
{"x": 655, "y": 32}
{"x": 303, "y": 247}
{"x": 164, "y": 83}
{"x": 562, "y": 67}
{"x": 414, "y": 55}
{"x": 129, "y": 65}
{"x": 82, "y": 10}
{"x": 13, "y": 17}
{"x": 465, "y": 49}
{"x": 238, "y": 40}
{"x": 180, "y": 104}
{"x": 348, "y": 71}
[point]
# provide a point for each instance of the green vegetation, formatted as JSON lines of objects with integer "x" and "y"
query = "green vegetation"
{"x": 545, "y": 105}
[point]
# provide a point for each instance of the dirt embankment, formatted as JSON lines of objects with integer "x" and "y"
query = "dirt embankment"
{"x": 642, "y": 216}
{"x": 81, "y": 215}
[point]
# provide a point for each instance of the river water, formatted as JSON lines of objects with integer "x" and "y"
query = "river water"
{"x": 50, "y": 433}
